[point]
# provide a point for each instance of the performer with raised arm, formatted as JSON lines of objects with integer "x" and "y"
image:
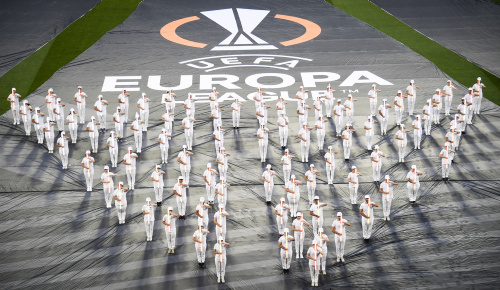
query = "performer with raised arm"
{"x": 383, "y": 111}
{"x": 188, "y": 125}
{"x": 200, "y": 245}
{"x": 349, "y": 105}
{"x": 321, "y": 131}
{"x": 285, "y": 243}
{"x": 322, "y": 242}
{"x": 313, "y": 254}
{"x": 129, "y": 160}
{"x": 347, "y": 137}
{"x": 221, "y": 191}
{"x": 124, "y": 103}
{"x": 210, "y": 181}
{"x": 137, "y": 126}
{"x": 411, "y": 94}
{"x": 399, "y": 107}
{"x": 157, "y": 178}
{"x": 477, "y": 88}
{"x": 338, "y": 111}
{"x": 369, "y": 132}
{"x": 448, "y": 97}
{"x": 330, "y": 163}
{"x": 268, "y": 178}
{"x": 310, "y": 177}
{"x": 283, "y": 129}
{"x": 79, "y": 98}
{"x": 236, "y": 107}
{"x": 143, "y": 105}
{"x": 352, "y": 178}
{"x": 164, "y": 145}
{"x": 120, "y": 197}
{"x": 222, "y": 162}
{"x": 402, "y": 138}
{"x": 293, "y": 195}
{"x": 413, "y": 184}
{"x": 170, "y": 229}
{"x": 149, "y": 218}
{"x": 446, "y": 156}
{"x": 88, "y": 169}
{"x": 329, "y": 101}
{"x": 376, "y": 158}
{"x": 72, "y": 120}
{"x": 220, "y": 259}
{"x": 316, "y": 211}
{"x": 298, "y": 229}
{"x": 263, "y": 136}
{"x": 181, "y": 196}
{"x": 281, "y": 212}
{"x": 184, "y": 158}
{"x": 108, "y": 186}
{"x": 372, "y": 94}
{"x": 305, "y": 141}
{"x": 417, "y": 131}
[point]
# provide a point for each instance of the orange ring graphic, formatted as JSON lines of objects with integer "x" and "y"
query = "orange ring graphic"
{"x": 168, "y": 32}
{"x": 312, "y": 29}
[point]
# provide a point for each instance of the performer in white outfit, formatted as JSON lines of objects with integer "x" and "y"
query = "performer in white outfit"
{"x": 446, "y": 156}
{"x": 222, "y": 162}
{"x": 48, "y": 128}
{"x": 143, "y": 105}
{"x": 366, "y": 211}
{"x": 338, "y": 228}
{"x": 411, "y": 94}
{"x": 221, "y": 191}
{"x": 108, "y": 186}
{"x": 372, "y": 94}
{"x": 181, "y": 196}
{"x": 387, "y": 190}
{"x": 436, "y": 105}
{"x": 59, "y": 114}
{"x": 417, "y": 131}
{"x": 305, "y": 141}
{"x": 320, "y": 131}
{"x": 119, "y": 120}
{"x": 316, "y": 211}
{"x": 149, "y": 218}
{"x": 427, "y": 117}
{"x": 376, "y": 158}
{"x": 188, "y": 125}
{"x": 220, "y": 260}
{"x": 286, "y": 161}
{"x": 318, "y": 108}
{"x": 478, "y": 95}
{"x": 200, "y": 245}
{"x": 281, "y": 212}
{"x": 369, "y": 132}
{"x": 399, "y": 107}
{"x": 349, "y": 106}
{"x": 63, "y": 145}
{"x": 124, "y": 103}
{"x": 413, "y": 184}
{"x": 184, "y": 158}
{"x": 330, "y": 164}
{"x": 298, "y": 228}
{"x": 120, "y": 197}
{"x": 218, "y": 136}
{"x": 448, "y": 97}
{"x": 93, "y": 133}
{"x": 353, "y": 179}
{"x": 322, "y": 242}
{"x": 202, "y": 212}
{"x": 236, "y": 107}
{"x": 129, "y": 160}
{"x": 220, "y": 222}
{"x": 50, "y": 100}
{"x": 293, "y": 195}
{"x": 402, "y": 138}
{"x": 88, "y": 169}
{"x": 112, "y": 143}
{"x": 157, "y": 178}
{"x": 383, "y": 111}
{"x": 190, "y": 106}
{"x": 310, "y": 177}
{"x": 100, "y": 106}
{"x": 25, "y": 111}
{"x": 164, "y": 145}
{"x": 79, "y": 98}
{"x": 209, "y": 176}
{"x": 37, "y": 119}
{"x": 469, "y": 102}
{"x": 285, "y": 243}
{"x": 268, "y": 178}
{"x": 283, "y": 129}
{"x": 329, "y": 101}
{"x": 137, "y": 127}
{"x": 168, "y": 118}
{"x": 347, "y": 143}
{"x": 338, "y": 111}
{"x": 314, "y": 256}
{"x": 169, "y": 220}
{"x": 72, "y": 120}
{"x": 263, "y": 136}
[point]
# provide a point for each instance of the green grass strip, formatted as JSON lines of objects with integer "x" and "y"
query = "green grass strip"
{"x": 36, "y": 69}
{"x": 454, "y": 65}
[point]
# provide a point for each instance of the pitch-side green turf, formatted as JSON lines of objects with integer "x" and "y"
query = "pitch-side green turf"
{"x": 33, "y": 71}
{"x": 448, "y": 61}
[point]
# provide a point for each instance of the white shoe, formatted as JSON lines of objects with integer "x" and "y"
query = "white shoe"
{"x": 223, "y": 281}
{"x": 342, "y": 259}
{"x": 338, "y": 259}
{"x": 316, "y": 284}
{"x": 388, "y": 218}
{"x": 218, "y": 280}
{"x": 312, "y": 283}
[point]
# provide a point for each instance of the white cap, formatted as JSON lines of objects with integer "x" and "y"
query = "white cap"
{"x": 316, "y": 197}
{"x": 268, "y": 166}
{"x": 71, "y": 110}
{"x": 37, "y": 109}
{"x": 221, "y": 206}
{"x": 293, "y": 176}
{"x": 143, "y": 94}
{"x": 387, "y": 177}
{"x": 148, "y": 199}
{"x": 402, "y": 125}
{"x": 180, "y": 177}
{"x": 330, "y": 147}
{"x": 213, "y": 88}
{"x": 286, "y": 150}
{"x": 438, "y": 90}
{"x": 79, "y": 87}
{"x": 58, "y": 100}
{"x": 51, "y": 90}
{"x": 286, "y": 230}
{"x": 301, "y": 87}
{"x": 314, "y": 242}
{"x": 447, "y": 144}
{"x": 158, "y": 166}
{"x": 282, "y": 199}
{"x": 221, "y": 178}
{"x": 202, "y": 199}
{"x": 369, "y": 117}
{"x": 448, "y": 81}
{"x": 184, "y": 146}
{"x": 338, "y": 101}
{"x": 200, "y": 223}
{"x": 63, "y": 133}
{"x": 209, "y": 165}
{"x": 367, "y": 196}
{"x": 349, "y": 96}
{"x": 170, "y": 208}
{"x": 281, "y": 97}
{"x": 353, "y": 167}
{"x": 312, "y": 165}
{"x": 374, "y": 85}
{"x": 13, "y": 89}
{"x": 376, "y": 147}
{"x": 400, "y": 92}
{"x": 321, "y": 230}
{"x": 130, "y": 149}
{"x": 470, "y": 89}
{"x": 299, "y": 214}
{"x": 99, "y": 97}
{"x": 92, "y": 118}
{"x": 479, "y": 78}
{"x": 106, "y": 167}
{"x": 222, "y": 148}
{"x": 164, "y": 130}
{"x": 418, "y": 116}
{"x": 121, "y": 182}
{"x": 412, "y": 81}
{"x": 414, "y": 167}
{"x": 339, "y": 213}
{"x": 87, "y": 152}
{"x": 137, "y": 115}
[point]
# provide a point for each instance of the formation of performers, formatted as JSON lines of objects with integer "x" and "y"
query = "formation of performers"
{"x": 216, "y": 181}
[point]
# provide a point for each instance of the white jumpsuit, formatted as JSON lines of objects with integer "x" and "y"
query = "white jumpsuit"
{"x": 236, "y": 114}
{"x": 221, "y": 199}
{"x": 220, "y": 262}
{"x": 169, "y": 122}
{"x": 121, "y": 206}
{"x": 185, "y": 169}
{"x": 314, "y": 265}
{"x": 428, "y": 119}
{"x": 280, "y": 108}
{"x": 149, "y": 220}
{"x": 119, "y": 125}
{"x": 181, "y": 200}
{"x": 299, "y": 237}
{"x": 402, "y": 143}
{"x": 219, "y": 134}
{"x": 317, "y": 223}
{"x": 101, "y": 116}
{"x": 188, "y": 133}
{"x": 339, "y": 120}
{"x": 304, "y": 145}
{"x": 340, "y": 245}
{"x": 286, "y": 258}
{"x": 38, "y": 118}
{"x": 221, "y": 220}
{"x": 478, "y": 97}
{"x": 353, "y": 188}
{"x": 124, "y": 105}
{"x": 263, "y": 143}
{"x": 201, "y": 248}
{"x": 349, "y": 113}
{"x": 329, "y": 103}
{"x": 323, "y": 246}
{"x": 399, "y": 110}
{"x": 108, "y": 188}
{"x": 287, "y": 168}
{"x": 59, "y": 116}
{"x": 170, "y": 231}
{"x": 88, "y": 173}
{"x": 50, "y": 106}
{"x": 369, "y": 134}
{"x": 330, "y": 168}
{"x": 49, "y": 136}
{"x": 436, "y": 108}
{"x": 26, "y": 116}
{"x": 283, "y": 130}
{"x": 130, "y": 169}
{"x": 446, "y": 163}
{"x": 311, "y": 185}
{"x": 268, "y": 186}
{"x": 387, "y": 198}
{"x": 138, "y": 125}
{"x": 376, "y": 166}
{"x": 367, "y": 223}
{"x": 412, "y": 188}
{"x": 384, "y": 121}
{"x": 210, "y": 175}
{"x": 158, "y": 186}
{"x": 293, "y": 198}
{"x": 373, "y": 101}
{"x": 64, "y": 152}
{"x": 448, "y": 99}
{"x": 94, "y": 135}
{"x": 281, "y": 221}
{"x": 144, "y": 113}
{"x": 320, "y": 133}
{"x": 164, "y": 147}
{"x": 113, "y": 151}
{"x": 80, "y": 97}
{"x": 73, "y": 126}
{"x": 203, "y": 211}
{"x": 347, "y": 143}
{"x": 411, "y": 98}
{"x": 417, "y": 133}
{"x": 317, "y": 113}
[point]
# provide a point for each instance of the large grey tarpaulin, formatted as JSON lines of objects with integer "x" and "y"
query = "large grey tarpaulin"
{"x": 54, "y": 234}
{"x": 470, "y": 28}
{"x": 27, "y": 25}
